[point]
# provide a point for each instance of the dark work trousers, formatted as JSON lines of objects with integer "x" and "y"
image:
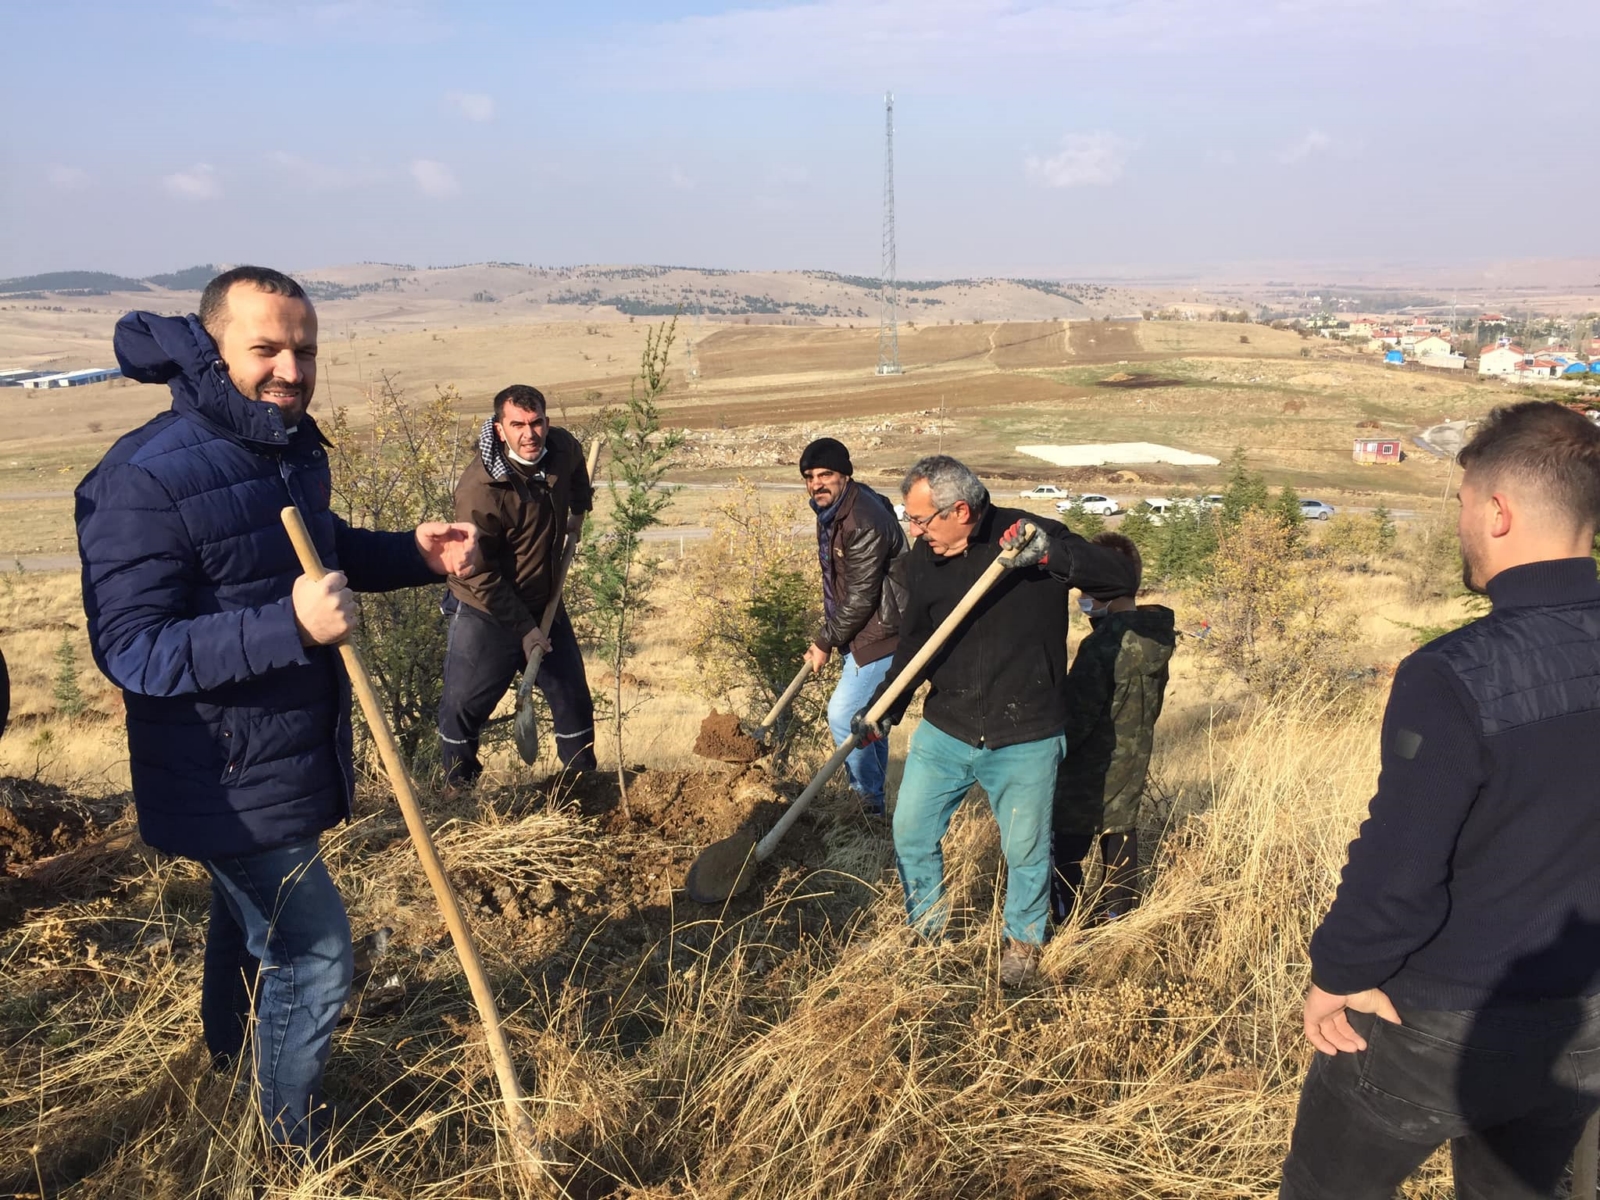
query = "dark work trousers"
{"x": 482, "y": 659}
{"x": 1510, "y": 1088}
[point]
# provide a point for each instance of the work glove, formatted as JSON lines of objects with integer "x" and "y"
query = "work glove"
{"x": 867, "y": 732}
{"x": 1035, "y": 545}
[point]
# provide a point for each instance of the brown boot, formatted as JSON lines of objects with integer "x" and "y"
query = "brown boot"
{"x": 1019, "y": 965}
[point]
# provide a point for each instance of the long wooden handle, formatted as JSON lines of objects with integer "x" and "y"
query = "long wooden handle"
{"x": 789, "y": 693}
{"x": 568, "y": 552}
{"x": 905, "y": 679}
{"x": 394, "y": 765}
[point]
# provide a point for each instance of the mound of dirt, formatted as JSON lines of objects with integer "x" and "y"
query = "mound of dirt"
{"x": 722, "y": 739}
{"x": 37, "y": 821}
{"x": 702, "y": 807}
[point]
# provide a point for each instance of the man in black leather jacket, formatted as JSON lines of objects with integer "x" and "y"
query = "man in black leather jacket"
{"x": 858, "y": 540}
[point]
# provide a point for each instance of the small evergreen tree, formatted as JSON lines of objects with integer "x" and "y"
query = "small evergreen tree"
{"x": 614, "y": 570}
{"x": 1386, "y": 528}
{"x": 1144, "y": 533}
{"x": 1286, "y": 508}
{"x": 1246, "y": 490}
{"x": 1081, "y": 521}
{"x": 1186, "y": 542}
{"x": 68, "y": 692}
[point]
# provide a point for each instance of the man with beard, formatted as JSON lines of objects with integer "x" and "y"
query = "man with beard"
{"x": 1455, "y": 982}
{"x": 526, "y": 491}
{"x": 858, "y": 538}
{"x": 238, "y": 711}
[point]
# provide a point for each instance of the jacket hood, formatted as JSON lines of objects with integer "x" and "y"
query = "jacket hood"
{"x": 178, "y": 352}
{"x": 1156, "y": 624}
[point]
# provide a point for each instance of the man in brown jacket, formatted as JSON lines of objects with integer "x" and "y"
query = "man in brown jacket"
{"x": 527, "y": 491}
{"x": 858, "y": 539}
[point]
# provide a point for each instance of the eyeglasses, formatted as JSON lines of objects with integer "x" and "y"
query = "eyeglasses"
{"x": 923, "y": 522}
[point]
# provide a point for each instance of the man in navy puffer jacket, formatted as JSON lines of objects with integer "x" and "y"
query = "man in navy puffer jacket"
{"x": 238, "y": 711}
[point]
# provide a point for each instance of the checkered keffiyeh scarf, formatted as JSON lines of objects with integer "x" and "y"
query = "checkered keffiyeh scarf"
{"x": 493, "y": 453}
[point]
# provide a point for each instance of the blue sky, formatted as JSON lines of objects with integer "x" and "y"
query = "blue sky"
{"x": 1032, "y": 138}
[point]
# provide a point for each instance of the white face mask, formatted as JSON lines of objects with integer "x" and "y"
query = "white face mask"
{"x": 1088, "y": 605}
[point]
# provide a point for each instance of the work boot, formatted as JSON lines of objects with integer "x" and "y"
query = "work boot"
{"x": 1019, "y": 965}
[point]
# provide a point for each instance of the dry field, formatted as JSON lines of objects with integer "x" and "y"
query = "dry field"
{"x": 976, "y": 390}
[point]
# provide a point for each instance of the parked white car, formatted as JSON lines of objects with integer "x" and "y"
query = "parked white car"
{"x": 1316, "y": 510}
{"x": 1158, "y": 507}
{"x": 1100, "y": 506}
{"x": 1045, "y": 491}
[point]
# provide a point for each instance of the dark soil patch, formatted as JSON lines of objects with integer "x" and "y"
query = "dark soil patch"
{"x": 721, "y": 739}
{"x": 38, "y": 820}
{"x": 1124, "y": 380}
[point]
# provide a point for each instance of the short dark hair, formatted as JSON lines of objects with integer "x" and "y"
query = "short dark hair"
{"x": 214, "y": 300}
{"x": 1546, "y": 445}
{"x": 1124, "y": 545}
{"x": 522, "y": 396}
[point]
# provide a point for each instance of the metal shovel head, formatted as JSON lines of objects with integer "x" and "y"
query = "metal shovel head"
{"x": 525, "y": 730}
{"x": 723, "y": 870}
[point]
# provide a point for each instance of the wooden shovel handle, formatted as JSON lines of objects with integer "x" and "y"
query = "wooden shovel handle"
{"x": 400, "y": 779}
{"x": 906, "y": 678}
{"x": 789, "y": 693}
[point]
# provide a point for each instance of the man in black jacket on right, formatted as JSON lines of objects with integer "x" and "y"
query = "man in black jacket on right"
{"x": 1455, "y": 990}
{"x": 997, "y": 702}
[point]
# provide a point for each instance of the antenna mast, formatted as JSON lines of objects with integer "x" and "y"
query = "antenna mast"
{"x": 889, "y": 320}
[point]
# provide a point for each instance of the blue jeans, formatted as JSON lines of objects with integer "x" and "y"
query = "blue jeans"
{"x": 280, "y": 909}
{"x": 868, "y": 765}
{"x": 1020, "y": 781}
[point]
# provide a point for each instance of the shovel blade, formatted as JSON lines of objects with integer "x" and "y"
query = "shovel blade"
{"x": 525, "y": 730}
{"x": 722, "y": 870}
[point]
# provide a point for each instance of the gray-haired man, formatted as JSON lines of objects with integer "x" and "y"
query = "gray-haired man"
{"x": 997, "y": 705}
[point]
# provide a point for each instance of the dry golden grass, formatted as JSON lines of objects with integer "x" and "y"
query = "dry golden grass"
{"x": 805, "y": 1047}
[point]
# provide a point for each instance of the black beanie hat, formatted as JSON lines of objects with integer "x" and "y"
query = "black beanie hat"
{"x": 828, "y": 454}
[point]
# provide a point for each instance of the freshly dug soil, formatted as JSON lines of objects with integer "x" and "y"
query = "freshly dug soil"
{"x": 37, "y": 820}
{"x": 722, "y": 739}
{"x": 704, "y": 807}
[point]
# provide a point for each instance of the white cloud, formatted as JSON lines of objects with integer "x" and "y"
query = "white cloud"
{"x": 310, "y": 176}
{"x": 67, "y": 179}
{"x": 1314, "y": 141}
{"x": 679, "y": 180}
{"x": 1085, "y": 160}
{"x": 474, "y": 106}
{"x": 434, "y": 178}
{"x": 199, "y": 182}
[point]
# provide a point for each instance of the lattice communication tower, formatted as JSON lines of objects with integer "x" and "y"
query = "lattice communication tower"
{"x": 889, "y": 320}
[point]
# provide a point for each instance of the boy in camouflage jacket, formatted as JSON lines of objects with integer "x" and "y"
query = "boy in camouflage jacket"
{"x": 1114, "y": 694}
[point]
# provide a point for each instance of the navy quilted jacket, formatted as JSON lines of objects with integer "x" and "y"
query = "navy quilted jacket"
{"x": 238, "y": 736}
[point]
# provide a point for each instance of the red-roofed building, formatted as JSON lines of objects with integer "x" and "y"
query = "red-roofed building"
{"x": 1501, "y": 360}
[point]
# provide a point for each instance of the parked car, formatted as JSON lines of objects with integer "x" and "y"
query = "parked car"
{"x": 1158, "y": 507}
{"x": 899, "y": 512}
{"x": 1315, "y": 510}
{"x": 1045, "y": 491}
{"x": 1214, "y": 500}
{"x": 1091, "y": 502}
